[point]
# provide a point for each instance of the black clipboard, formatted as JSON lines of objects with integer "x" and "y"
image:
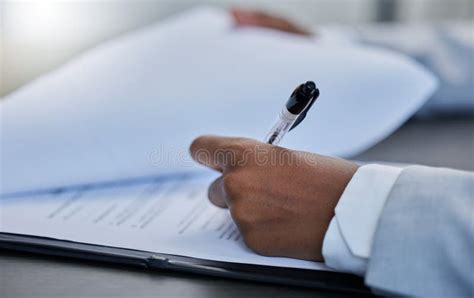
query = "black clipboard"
{"x": 155, "y": 261}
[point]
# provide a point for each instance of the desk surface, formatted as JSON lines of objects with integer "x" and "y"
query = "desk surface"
{"x": 447, "y": 143}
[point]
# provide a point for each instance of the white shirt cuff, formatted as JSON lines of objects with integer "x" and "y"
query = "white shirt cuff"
{"x": 348, "y": 241}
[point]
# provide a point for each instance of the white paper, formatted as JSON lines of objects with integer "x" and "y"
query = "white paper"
{"x": 171, "y": 216}
{"x": 131, "y": 107}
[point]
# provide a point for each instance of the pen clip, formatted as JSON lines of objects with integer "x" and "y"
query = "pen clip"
{"x": 302, "y": 116}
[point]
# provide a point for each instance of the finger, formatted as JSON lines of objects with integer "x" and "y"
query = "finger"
{"x": 217, "y": 194}
{"x": 203, "y": 150}
{"x": 215, "y": 152}
{"x": 250, "y": 18}
{"x": 261, "y": 19}
{"x": 281, "y": 24}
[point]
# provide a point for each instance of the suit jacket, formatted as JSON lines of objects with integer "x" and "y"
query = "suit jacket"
{"x": 424, "y": 241}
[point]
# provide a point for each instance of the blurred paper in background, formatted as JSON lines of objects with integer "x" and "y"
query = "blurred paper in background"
{"x": 132, "y": 106}
{"x": 39, "y": 35}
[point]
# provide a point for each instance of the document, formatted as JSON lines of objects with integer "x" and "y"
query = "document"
{"x": 170, "y": 215}
{"x": 130, "y": 107}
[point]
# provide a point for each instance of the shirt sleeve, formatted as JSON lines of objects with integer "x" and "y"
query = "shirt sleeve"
{"x": 348, "y": 241}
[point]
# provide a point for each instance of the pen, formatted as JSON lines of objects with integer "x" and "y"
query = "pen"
{"x": 293, "y": 113}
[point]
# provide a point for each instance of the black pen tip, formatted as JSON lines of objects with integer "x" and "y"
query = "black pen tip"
{"x": 309, "y": 87}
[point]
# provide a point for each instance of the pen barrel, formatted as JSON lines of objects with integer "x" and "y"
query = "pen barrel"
{"x": 282, "y": 125}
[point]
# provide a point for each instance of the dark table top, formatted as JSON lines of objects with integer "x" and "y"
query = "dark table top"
{"x": 447, "y": 143}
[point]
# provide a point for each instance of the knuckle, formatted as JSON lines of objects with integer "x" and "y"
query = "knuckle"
{"x": 256, "y": 242}
{"x": 240, "y": 145}
{"x": 239, "y": 213}
{"x": 231, "y": 183}
{"x": 237, "y": 149}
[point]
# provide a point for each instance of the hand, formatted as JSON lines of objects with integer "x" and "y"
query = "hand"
{"x": 281, "y": 200}
{"x": 261, "y": 19}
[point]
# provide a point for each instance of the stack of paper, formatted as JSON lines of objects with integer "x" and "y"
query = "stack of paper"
{"x": 131, "y": 107}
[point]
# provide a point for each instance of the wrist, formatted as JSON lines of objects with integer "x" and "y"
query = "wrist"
{"x": 348, "y": 241}
{"x": 330, "y": 181}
